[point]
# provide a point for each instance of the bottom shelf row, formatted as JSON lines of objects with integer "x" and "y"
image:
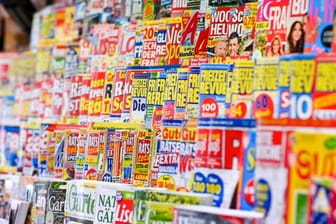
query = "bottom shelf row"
{"x": 82, "y": 201}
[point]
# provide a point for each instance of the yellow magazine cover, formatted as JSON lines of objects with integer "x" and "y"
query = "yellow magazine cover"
{"x": 310, "y": 154}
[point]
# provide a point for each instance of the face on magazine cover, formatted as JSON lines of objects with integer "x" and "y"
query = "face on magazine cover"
{"x": 221, "y": 48}
{"x": 234, "y": 44}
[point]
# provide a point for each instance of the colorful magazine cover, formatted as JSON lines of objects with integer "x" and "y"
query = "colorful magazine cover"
{"x": 249, "y": 28}
{"x": 239, "y": 90}
{"x": 174, "y": 28}
{"x": 322, "y": 201}
{"x": 109, "y": 155}
{"x": 192, "y": 102}
{"x": 108, "y": 94}
{"x": 319, "y": 26}
{"x": 84, "y": 99}
{"x": 55, "y": 202}
{"x": 169, "y": 100}
{"x": 127, "y": 158}
{"x": 39, "y": 201}
{"x": 105, "y": 204}
{"x": 225, "y": 31}
{"x": 265, "y": 86}
{"x": 59, "y": 153}
{"x": 139, "y": 97}
{"x": 96, "y": 96}
{"x": 323, "y": 90}
{"x": 70, "y": 153}
{"x": 75, "y": 99}
{"x": 301, "y": 87}
{"x": 127, "y": 44}
{"x": 246, "y": 190}
{"x": 117, "y": 98}
{"x": 313, "y": 148}
{"x": 262, "y": 25}
{"x": 158, "y": 205}
{"x": 168, "y": 155}
{"x": 271, "y": 173}
{"x": 212, "y": 90}
{"x": 277, "y": 28}
{"x": 283, "y": 95}
{"x": 142, "y": 161}
{"x": 194, "y": 36}
{"x": 91, "y": 157}
{"x": 207, "y": 214}
{"x": 79, "y": 190}
{"x": 181, "y": 93}
{"x": 80, "y": 157}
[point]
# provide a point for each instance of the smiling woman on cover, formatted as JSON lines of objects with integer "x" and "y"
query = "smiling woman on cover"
{"x": 295, "y": 39}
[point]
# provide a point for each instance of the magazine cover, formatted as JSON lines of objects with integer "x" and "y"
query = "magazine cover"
{"x": 75, "y": 99}
{"x": 168, "y": 155}
{"x": 319, "y": 26}
{"x": 71, "y": 61}
{"x": 142, "y": 159}
{"x": 219, "y": 158}
{"x": 262, "y": 25}
{"x": 271, "y": 173}
{"x": 158, "y": 205}
{"x": 265, "y": 87}
{"x": 127, "y": 44}
{"x": 323, "y": 90}
{"x": 239, "y": 90}
{"x": 55, "y": 202}
{"x": 109, "y": 155}
{"x": 155, "y": 96}
{"x": 139, "y": 97}
{"x": 225, "y": 31}
{"x": 39, "y": 201}
{"x": 246, "y": 190}
{"x": 105, "y": 204}
{"x": 283, "y": 94}
{"x": 206, "y": 215}
{"x": 80, "y": 157}
{"x": 212, "y": 90}
{"x": 127, "y": 94}
{"x": 169, "y": 100}
{"x": 124, "y": 211}
{"x": 181, "y": 93}
{"x": 174, "y": 29}
{"x": 194, "y": 36}
{"x": 321, "y": 205}
{"x": 277, "y": 28}
{"x": 301, "y": 87}
{"x": 80, "y": 191}
{"x": 96, "y": 96}
{"x": 59, "y": 153}
{"x": 127, "y": 158}
{"x": 70, "y": 153}
{"x": 312, "y": 148}
{"x": 84, "y": 99}
{"x": 192, "y": 101}
{"x": 91, "y": 157}
{"x": 249, "y": 28}
{"x": 108, "y": 94}
{"x": 117, "y": 97}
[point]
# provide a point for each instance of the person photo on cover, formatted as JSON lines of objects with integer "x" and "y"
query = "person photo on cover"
{"x": 276, "y": 47}
{"x": 234, "y": 44}
{"x": 295, "y": 38}
{"x": 221, "y": 47}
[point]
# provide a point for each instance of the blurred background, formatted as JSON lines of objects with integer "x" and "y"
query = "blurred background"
{"x": 16, "y": 20}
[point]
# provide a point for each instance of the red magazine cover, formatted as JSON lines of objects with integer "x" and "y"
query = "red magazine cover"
{"x": 225, "y": 31}
{"x": 276, "y": 35}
